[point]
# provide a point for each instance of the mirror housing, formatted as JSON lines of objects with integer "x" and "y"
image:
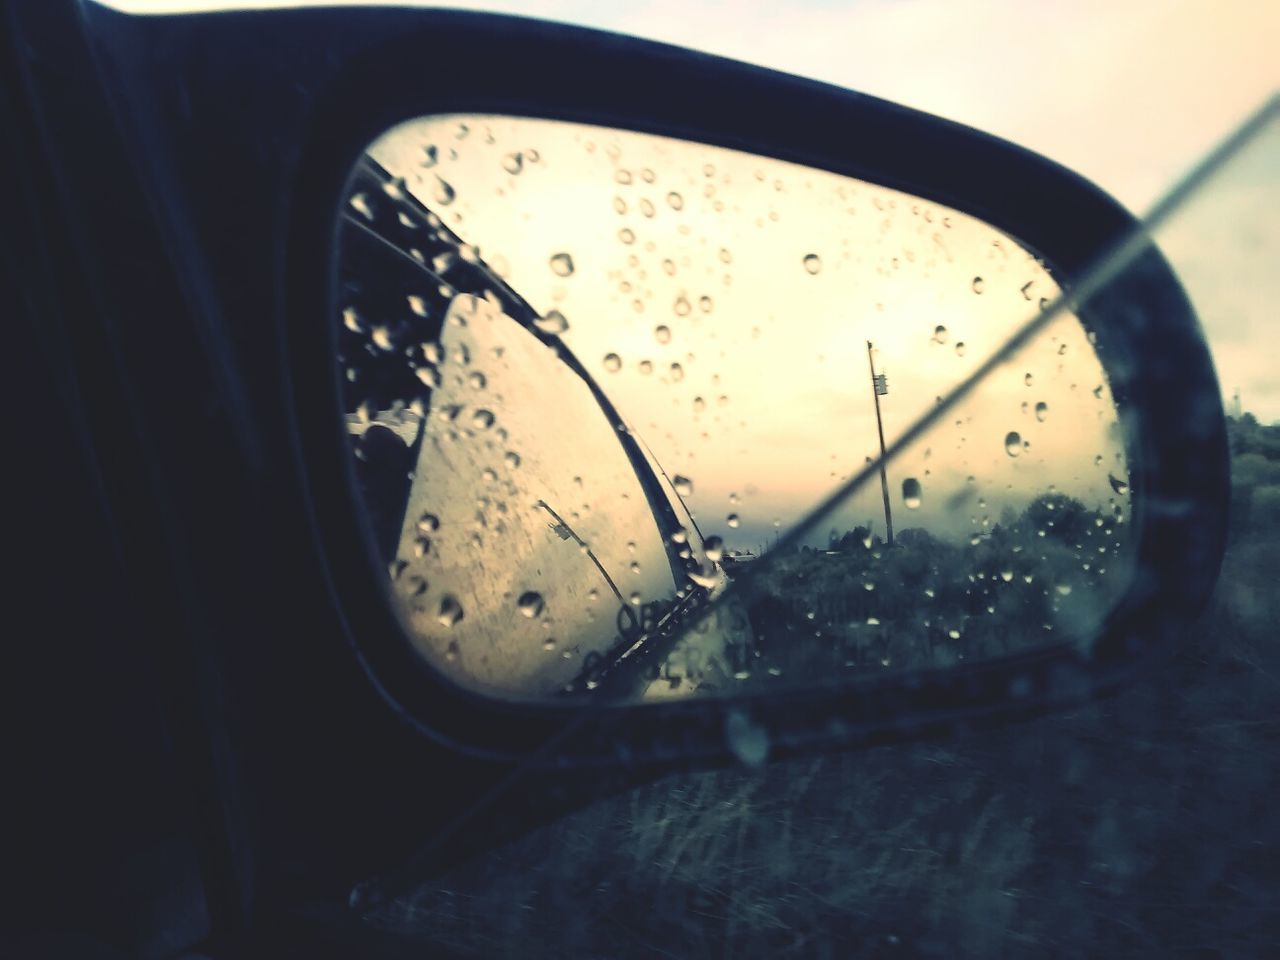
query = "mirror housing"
{"x": 352, "y": 77}
{"x": 1146, "y": 335}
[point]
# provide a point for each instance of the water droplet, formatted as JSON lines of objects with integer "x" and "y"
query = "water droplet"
{"x": 677, "y": 373}
{"x": 646, "y": 207}
{"x": 714, "y": 549}
{"x": 562, "y": 265}
{"x": 978, "y": 284}
{"x": 705, "y": 304}
{"x": 477, "y": 381}
{"x": 627, "y": 235}
{"x": 704, "y": 576}
{"x": 911, "y": 493}
{"x": 530, "y": 604}
{"x": 623, "y": 177}
{"x": 428, "y": 523}
{"x": 675, "y": 201}
{"x": 1063, "y": 589}
{"x": 662, "y": 334}
{"x": 953, "y": 634}
{"x": 482, "y": 419}
{"x": 635, "y": 598}
{"x": 450, "y": 610}
{"x": 444, "y": 193}
{"x": 352, "y": 320}
{"x": 513, "y": 163}
{"x": 682, "y": 306}
{"x": 421, "y": 547}
{"x": 1042, "y": 411}
{"x": 940, "y": 334}
{"x": 431, "y": 155}
{"x": 1006, "y": 576}
{"x": 552, "y": 322}
{"x": 1118, "y": 485}
{"x": 812, "y": 263}
{"x": 747, "y": 740}
{"x": 1012, "y": 443}
{"x": 360, "y": 204}
{"x": 612, "y": 362}
{"x": 619, "y": 206}
{"x": 960, "y": 349}
{"x": 733, "y": 521}
{"x": 683, "y": 485}
{"x": 429, "y": 376}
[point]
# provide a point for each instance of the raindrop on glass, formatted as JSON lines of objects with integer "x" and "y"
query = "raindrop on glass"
{"x": 450, "y": 610}
{"x": 1012, "y": 443}
{"x": 553, "y": 322}
{"x": 530, "y": 604}
{"x": 911, "y": 493}
{"x": 444, "y": 193}
{"x": 562, "y": 265}
{"x": 812, "y": 263}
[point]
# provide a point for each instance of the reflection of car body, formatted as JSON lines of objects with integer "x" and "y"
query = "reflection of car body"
{"x": 533, "y": 483}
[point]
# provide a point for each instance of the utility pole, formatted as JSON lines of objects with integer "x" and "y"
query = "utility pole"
{"x": 879, "y": 388}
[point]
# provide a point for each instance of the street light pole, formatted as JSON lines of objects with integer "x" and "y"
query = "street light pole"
{"x": 879, "y": 386}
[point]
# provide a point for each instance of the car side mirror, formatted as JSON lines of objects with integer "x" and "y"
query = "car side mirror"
{"x": 743, "y": 405}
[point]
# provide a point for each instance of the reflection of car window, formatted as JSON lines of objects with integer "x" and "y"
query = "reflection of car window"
{"x": 528, "y": 494}
{"x": 529, "y": 536}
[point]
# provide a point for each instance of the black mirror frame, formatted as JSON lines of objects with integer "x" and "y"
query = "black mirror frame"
{"x": 355, "y": 74}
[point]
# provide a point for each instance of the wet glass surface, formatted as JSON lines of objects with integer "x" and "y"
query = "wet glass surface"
{"x": 620, "y": 371}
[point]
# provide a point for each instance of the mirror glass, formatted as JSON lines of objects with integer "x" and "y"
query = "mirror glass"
{"x": 595, "y": 383}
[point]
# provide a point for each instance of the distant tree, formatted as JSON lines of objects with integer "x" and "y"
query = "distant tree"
{"x": 1061, "y": 517}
